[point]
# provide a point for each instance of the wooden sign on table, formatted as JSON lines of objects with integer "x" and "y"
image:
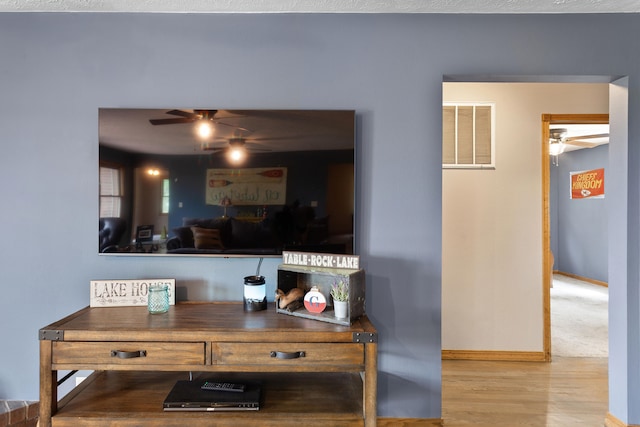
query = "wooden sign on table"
{"x": 322, "y": 260}
{"x": 120, "y": 293}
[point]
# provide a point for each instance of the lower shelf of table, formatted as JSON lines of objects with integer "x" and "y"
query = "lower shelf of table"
{"x": 134, "y": 398}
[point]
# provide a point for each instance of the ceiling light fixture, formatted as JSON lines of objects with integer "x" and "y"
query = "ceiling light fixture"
{"x": 556, "y": 143}
{"x": 555, "y": 147}
{"x": 236, "y": 155}
{"x": 237, "y": 152}
{"x": 204, "y": 128}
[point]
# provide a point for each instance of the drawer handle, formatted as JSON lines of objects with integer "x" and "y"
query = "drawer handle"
{"x": 128, "y": 354}
{"x": 287, "y": 355}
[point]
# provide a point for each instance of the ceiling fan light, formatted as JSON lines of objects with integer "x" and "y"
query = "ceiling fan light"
{"x": 204, "y": 128}
{"x": 236, "y": 155}
{"x": 555, "y": 148}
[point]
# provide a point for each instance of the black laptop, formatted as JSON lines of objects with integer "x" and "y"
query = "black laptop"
{"x": 189, "y": 396}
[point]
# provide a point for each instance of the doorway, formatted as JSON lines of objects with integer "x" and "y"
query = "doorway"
{"x": 150, "y": 199}
{"x": 462, "y": 316}
{"x": 559, "y": 122}
{"x": 492, "y": 307}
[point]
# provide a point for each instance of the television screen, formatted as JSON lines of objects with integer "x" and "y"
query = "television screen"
{"x": 226, "y": 182}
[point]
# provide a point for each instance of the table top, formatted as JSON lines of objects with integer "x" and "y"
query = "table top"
{"x": 198, "y": 321}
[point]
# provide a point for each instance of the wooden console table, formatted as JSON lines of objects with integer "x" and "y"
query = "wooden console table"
{"x": 313, "y": 373}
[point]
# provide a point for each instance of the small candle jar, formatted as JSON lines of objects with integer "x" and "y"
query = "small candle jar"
{"x": 255, "y": 293}
{"x": 158, "y": 299}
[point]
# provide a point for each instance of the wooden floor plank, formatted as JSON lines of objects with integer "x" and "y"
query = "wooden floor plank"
{"x": 566, "y": 392}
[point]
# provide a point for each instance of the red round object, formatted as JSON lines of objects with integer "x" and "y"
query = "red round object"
{"x": 314, "y": 301}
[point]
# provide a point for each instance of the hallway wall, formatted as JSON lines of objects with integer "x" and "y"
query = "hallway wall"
{"x": 579, "y": 226}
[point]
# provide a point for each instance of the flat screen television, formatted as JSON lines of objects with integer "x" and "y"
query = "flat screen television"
{"x": 213, "y": 182}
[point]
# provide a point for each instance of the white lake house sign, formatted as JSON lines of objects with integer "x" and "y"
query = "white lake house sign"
{"x": 120, "y": 293}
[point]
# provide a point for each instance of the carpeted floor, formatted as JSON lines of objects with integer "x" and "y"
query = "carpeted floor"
{"x": 579, "y": 318}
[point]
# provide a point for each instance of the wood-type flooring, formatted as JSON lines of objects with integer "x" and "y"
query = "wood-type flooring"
{"x": 567, "y": 392}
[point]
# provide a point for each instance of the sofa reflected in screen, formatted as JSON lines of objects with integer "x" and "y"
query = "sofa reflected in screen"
{"x": 111, "y": 233}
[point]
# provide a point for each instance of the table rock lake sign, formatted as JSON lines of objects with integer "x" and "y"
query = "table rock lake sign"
{"x": 310, "y": 259}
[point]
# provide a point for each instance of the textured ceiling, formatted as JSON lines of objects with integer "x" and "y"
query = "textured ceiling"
{"x": 322, "y": 6}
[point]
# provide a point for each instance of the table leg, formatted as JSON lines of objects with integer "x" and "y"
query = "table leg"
{"x": 48, "y": 385}
{"x": 371, "y": 385}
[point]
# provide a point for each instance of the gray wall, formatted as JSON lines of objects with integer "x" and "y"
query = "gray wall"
{"x": 58, "y": 69}
{"x": 579, "y": 227}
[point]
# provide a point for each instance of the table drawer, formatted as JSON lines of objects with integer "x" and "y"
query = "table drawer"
{"x": 129, "y": 353}
{"x": 295, "y": 354}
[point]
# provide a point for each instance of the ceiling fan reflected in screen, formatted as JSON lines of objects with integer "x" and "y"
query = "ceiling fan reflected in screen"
{"x": 176, "y": 131}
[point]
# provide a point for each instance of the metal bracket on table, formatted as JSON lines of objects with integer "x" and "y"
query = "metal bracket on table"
{"x": 365, "y": 337}
{"x": 51, "y": 335}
